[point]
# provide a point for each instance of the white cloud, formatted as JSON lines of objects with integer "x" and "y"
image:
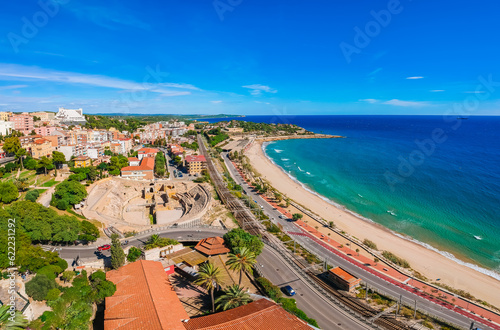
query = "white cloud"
{"x": 401, "y": 103}
{"x": 415, "y": 77}
{"x": 14, "y": 72}
{"x": 216, "y": 102}
{"x": 475, "y": 92}
{"x": 12, "y": 87}
{"x": 257, "y": 89}
{"x": 437, "y": 90}
{"x": 368, "y": 100}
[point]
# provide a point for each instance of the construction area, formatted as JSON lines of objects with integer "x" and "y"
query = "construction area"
{"x": 134, "y": 205}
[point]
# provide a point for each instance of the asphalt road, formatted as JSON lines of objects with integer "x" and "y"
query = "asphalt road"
{"x": 280, "y": 274}
{"x": 334, "y": 260}
{"x": 7, "y": 160}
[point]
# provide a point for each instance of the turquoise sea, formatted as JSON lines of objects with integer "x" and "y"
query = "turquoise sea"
{"x": 432, "y": 179}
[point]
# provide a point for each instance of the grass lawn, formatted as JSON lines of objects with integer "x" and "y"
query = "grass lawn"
{"x": 49, "y": 183}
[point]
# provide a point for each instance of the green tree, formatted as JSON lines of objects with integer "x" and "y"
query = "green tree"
{"x": 21, "y": 184}
{"x": 133, "y": 254}
{"x": 297, "y": 216}
{"x": 31, "y": 164}
{"x": 90, "y": 231}
{"x": 68, "y": 275}
{"x": 233, "y": 297}
{"x": 53, "y": 294}
{"x": 242, "y": 260}
{"x": 238, "y": 238}
{"x": 209, "y": 277}
{"x": 92, "y": 173}
{"x": 155, "y": 241}
{"x": 65, "y": 229}
{"x": 117, "y": 254}
{"x": 39, "y": 286}
{"x": 8, "y": 322}
{"x": 8, "y": 192}
{"x": 45, "y": 163}
{"x": 72, "y": 191}
{"x": 11, "y": 145}
{"x": 20, "y": 153}
{"x": 58, "y": 158}
{"x": 32, "y": 195}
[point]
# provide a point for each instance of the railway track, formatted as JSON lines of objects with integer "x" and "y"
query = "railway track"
{"x": 247, "y": 221}
{"x": 385, "y": 321}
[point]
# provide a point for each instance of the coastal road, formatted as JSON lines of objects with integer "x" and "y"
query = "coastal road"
{"x": 374, "y": 281}
{"x": 280, "y": 273}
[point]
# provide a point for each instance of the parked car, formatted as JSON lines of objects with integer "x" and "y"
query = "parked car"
{"x": 289, "y": 290}
{"x": 104, "y": 247}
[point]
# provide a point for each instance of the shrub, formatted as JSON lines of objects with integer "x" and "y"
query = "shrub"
{"x": 395, "y": 259}
{"x": 51, "y": 271}
{"x": 271, "y": 290}
{"x": 290, "y": 306}
{"x": 53, "y": 294}
{"x": 39, "y": 286}
{"x": 32, "y": 195}
{"x": 133, "y": 254}
{"x": 370, "y": 244}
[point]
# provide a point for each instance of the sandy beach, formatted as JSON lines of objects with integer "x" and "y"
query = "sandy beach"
{"x": 432, "y": 264}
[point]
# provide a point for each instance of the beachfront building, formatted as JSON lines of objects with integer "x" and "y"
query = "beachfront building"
{"x": 196, "y": 164}
{"x": 145, "y": 171}
{"x": 82, "y": 161}
{"x": 342, "y": 279}
{"x": 22, "y": 123}
{"x": 6, "y": 127}
{"x": 70, "y": 116}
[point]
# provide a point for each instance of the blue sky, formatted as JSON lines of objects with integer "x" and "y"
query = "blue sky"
{"x": 250, "y": 57}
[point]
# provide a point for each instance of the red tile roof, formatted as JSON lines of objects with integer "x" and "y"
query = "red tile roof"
{"x": 212, "y": 246}
{"x": 192, "y": 158}
{"x": 133, "y": 159}
{"x": 81, "y": 158}
{"x": 260, "y": 314}
{"x": 144, "y": 299}
{"x": 339, "y": 272}
{"x": 147, "y": 151}
{"x": 40, "y": 141}
{"x": 147, "y": 164}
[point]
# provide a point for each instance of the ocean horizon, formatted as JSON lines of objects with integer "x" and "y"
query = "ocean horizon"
{"x": 430, "y": 179}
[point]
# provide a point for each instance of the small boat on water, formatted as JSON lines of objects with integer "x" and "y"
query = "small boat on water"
{"x": 463, "y": 118}
{"x": 478, "y": 237}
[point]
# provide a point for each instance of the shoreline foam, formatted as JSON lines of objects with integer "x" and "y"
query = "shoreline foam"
{"x": 428, "y": 260}
{"x": 449, "y": 255}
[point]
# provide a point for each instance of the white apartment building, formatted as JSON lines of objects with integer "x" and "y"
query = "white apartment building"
{"x": 71, "y": 116}
{"x": 6, "y": 127}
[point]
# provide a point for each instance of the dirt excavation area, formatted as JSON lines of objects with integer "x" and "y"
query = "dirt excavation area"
{"x": 137, "y": 205}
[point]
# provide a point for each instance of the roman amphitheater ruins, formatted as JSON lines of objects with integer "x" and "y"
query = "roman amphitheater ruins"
{"x": 138, "y": 205}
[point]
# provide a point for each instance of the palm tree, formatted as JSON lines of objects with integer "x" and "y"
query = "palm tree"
{"x": 233, "y": 296}
{"x": 17, "y": 323}
{"x": 242, "y": 260}
{"x": 209, "y": 277}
